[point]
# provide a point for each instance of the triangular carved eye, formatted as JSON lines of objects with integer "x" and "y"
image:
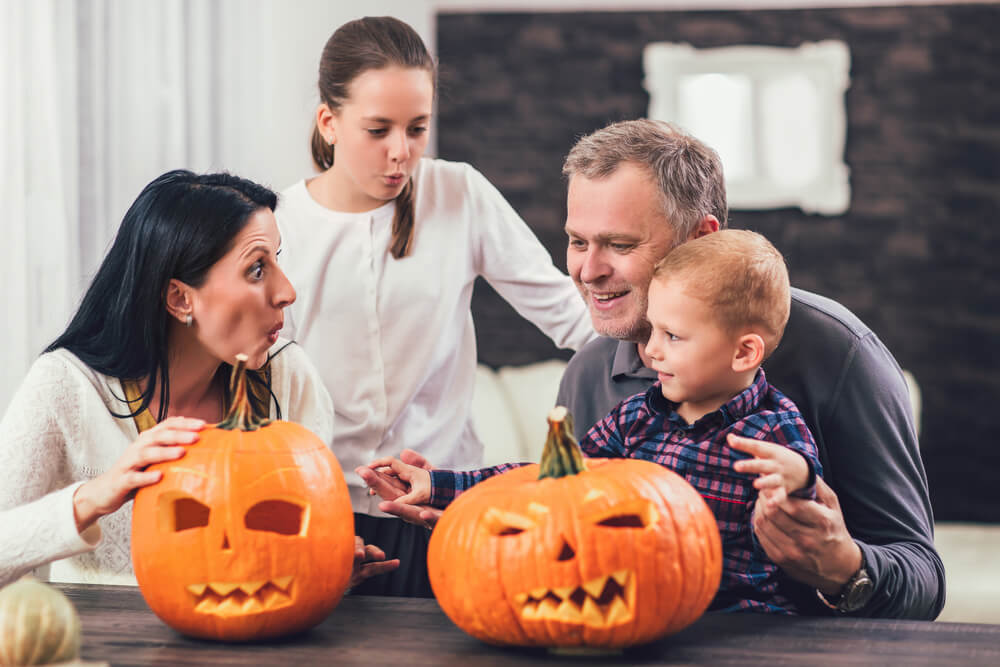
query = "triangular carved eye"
{"x": 502, "y": 523}
{"x": 276, "y": 516}
{"x": 638, "y": 513}
{"x": 623, "y": 521}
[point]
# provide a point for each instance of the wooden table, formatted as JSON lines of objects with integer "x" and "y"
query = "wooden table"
{"x": 119, "y": 628}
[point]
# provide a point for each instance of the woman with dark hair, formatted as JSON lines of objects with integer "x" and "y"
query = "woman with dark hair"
{"x": 384, "y": 246}
{"x": 191, "y": 281}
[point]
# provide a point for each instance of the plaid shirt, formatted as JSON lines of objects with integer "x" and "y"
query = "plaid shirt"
{"x": 647, "y": 426}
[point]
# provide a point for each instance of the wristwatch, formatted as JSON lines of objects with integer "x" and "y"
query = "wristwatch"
{"x": 854, "y": 595}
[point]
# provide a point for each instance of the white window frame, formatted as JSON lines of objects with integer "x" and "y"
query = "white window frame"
{"x": 825, "y": 63}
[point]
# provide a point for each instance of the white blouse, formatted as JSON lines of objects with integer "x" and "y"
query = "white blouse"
{"x": 394, "y": 338}
{"x": 59, "y": 432}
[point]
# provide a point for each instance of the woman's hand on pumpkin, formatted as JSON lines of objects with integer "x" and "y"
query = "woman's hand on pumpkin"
{"x": 369, "y": 561}
{"x": 108, "y": 492}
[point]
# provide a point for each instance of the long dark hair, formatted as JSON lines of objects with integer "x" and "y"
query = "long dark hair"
{"x": 373, "y": 42}
{"x": 180, "y": 225}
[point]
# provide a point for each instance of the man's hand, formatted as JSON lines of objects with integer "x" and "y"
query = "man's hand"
{"x": 808, "y": 539}
{"x": 369, "y": 561}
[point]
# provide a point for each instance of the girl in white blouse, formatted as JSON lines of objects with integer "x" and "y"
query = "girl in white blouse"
{"x": 383, "y": 247}
{"x": 190, "y": 281}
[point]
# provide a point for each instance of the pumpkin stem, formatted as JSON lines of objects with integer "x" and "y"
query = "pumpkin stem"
{"x": 240, "y": 415}
{"x": 562, "y": 456}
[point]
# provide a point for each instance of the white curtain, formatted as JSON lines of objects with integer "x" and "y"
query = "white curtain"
{"x": 98, "y": 97}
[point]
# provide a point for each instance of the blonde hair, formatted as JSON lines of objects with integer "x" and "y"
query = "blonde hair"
{"x": 687, "y": 172}
{"x": 740, "y": 274}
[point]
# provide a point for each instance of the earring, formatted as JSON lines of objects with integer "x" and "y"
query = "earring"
{"x": 331, "y": 140}
{"x": 188, "y": 320}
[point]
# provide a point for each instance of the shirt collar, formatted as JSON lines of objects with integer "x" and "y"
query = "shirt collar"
{"x": 743, "y": 404}
{"x": 627, "y": 362}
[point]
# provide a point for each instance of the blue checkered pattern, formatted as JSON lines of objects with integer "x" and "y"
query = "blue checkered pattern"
{"x": 647, "y": 426}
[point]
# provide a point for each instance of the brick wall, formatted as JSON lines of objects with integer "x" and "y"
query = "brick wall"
{"x": 914, "y": 256}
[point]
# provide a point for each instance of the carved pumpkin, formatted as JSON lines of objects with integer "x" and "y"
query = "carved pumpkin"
{"x": 603, "y": 554}
{"x": 249, "y": 535}
{"x": 38, "y": 625}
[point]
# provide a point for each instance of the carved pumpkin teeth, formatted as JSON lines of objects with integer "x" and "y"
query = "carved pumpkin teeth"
{"x": 618, "y": 611}
{"x": 252, "y": 605}
{"x": 229, "y": 607}
{"x": 283, "y": 583}
{"x": 563, "y": 592}
{"x": 547, "y": 607}
{"x": 595, "y": 587}
{"x": 591, "y": 613}
{"x": 197, "y": 589}
{"x": 251, "y": 587}
{"x": 238, "y": 603}
{"x": 598, "y": 602}
{"x": 568, "y": 612}
{"x": 222, "y": 589}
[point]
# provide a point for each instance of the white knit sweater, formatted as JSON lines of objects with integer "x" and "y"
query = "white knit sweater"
{"x": 58, "y": 432}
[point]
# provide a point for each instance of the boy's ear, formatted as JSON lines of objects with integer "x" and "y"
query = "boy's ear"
{"x": 178, "y": 300}
{"x": 749, "y": 353}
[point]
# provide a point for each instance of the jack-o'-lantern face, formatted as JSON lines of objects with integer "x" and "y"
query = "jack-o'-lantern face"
{"x": 245, "y": 536}
{"x": 249, "y": 535}
{"x": 619, "y": 554}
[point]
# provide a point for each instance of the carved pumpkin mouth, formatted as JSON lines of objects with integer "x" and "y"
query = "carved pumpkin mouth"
{"x": 242, "y": 598}
{"x": 604, "y": 601}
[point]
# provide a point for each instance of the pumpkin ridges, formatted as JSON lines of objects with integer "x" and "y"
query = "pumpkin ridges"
{"x": 231, "y": 471}
{"x": 38, "y": 624}
{"x": 627, "y": 486}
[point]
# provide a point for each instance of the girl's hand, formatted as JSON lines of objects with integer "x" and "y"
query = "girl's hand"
{"x": 108, "y": 492}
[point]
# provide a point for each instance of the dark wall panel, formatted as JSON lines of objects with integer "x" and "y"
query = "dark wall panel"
{"x": 914, "y": 256}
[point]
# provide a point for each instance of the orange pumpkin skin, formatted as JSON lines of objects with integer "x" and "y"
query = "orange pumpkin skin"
{"x": 619, "y": 554}
{"x": 249, "y": 535}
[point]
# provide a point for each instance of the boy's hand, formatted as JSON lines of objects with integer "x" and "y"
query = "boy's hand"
{"x": 394, "y": 480}
{"x": 780, "y": 470}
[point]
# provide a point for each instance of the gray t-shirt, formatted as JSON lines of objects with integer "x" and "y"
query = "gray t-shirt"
{"x": 854, "y": 399}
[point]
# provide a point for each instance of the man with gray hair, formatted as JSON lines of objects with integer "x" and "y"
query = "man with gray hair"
{"x": 865, "y": 546}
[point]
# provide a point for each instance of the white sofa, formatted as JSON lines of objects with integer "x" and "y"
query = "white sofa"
{"x": 509, "y": 408}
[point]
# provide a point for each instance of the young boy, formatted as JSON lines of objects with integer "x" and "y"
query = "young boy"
{"x": 718, "y": 306}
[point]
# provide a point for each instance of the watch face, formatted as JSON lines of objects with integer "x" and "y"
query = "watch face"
{"x": 858, "y": 593}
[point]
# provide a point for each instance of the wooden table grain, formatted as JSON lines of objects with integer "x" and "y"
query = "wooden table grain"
{"x": 120, "y": 629}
